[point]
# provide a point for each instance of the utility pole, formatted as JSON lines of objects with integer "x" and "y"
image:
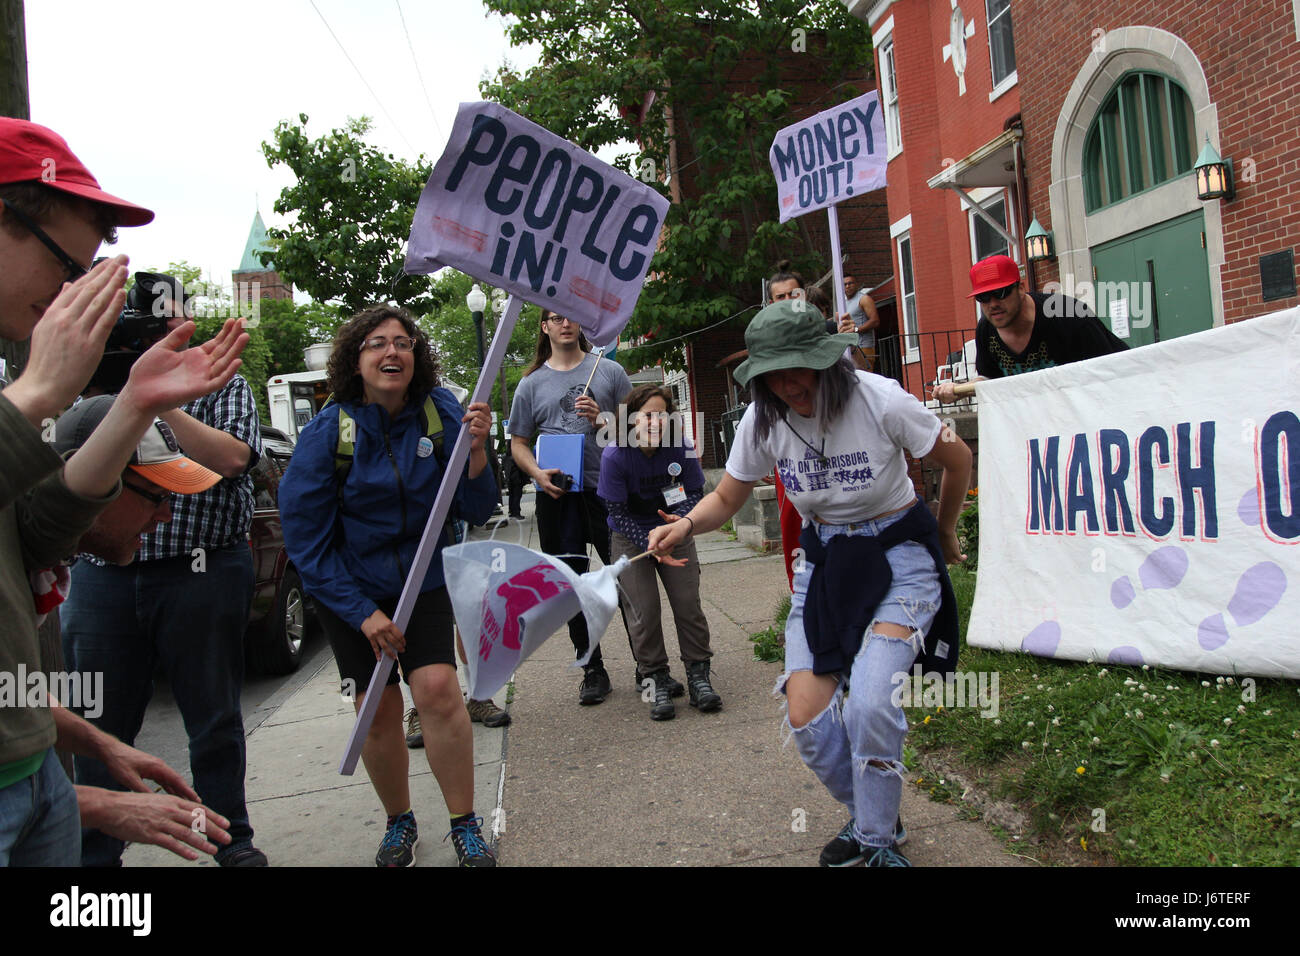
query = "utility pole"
{"x": 13, "y": 61}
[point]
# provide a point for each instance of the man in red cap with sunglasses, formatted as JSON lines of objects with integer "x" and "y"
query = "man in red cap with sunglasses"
{"x": 53, "y": 216}
{"x": 1027, "y": 331}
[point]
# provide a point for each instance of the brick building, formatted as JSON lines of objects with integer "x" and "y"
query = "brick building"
{"x": 252, "y": 275}
{"x": 1089, "y": 118}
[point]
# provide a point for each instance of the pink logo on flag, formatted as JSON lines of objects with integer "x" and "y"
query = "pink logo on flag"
{"x": 523, "y": 591}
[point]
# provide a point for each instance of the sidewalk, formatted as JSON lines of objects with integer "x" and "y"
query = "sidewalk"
{"x": 602, "y": 786}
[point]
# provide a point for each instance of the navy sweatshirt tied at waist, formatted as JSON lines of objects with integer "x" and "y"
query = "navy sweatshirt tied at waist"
{"x": 851, "y": 576}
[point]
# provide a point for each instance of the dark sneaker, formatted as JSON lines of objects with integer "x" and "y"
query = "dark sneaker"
{"x": 248, "y": 855}
{"x": 400, "y": 840}
{"x": 414, "y": 734}
{"x": 487, "y": 713}
{"x": 675, "y": 688}
{"x": 595, "y": 686}
{"x": 471, "y": 848}
{"x": 843, "y": 850}
{"x": 885, "y": 856}
{"x": 703, "y": 695}
{"x": 661, "y": 707}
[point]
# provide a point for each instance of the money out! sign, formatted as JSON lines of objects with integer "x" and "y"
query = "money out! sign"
{"x": 830, "y": 157}
{"x": 1144, "y": 507}
{"x": 517, "y": 206}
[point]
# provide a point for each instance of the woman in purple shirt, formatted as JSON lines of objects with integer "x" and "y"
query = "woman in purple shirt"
{"x": 651, "y": 472}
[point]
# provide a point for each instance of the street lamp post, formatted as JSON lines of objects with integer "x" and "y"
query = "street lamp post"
{"x": 477, "y": 301}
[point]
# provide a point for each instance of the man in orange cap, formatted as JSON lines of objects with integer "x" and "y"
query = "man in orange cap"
{"x": 1026, "y": 331}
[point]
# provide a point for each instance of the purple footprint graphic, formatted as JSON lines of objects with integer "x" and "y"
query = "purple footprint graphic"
{"x": 1259, "y": 589}
{"x": 1248, "y": 508}
{"x": 1043, "y": 639}
{"x": 1163, "y": 568}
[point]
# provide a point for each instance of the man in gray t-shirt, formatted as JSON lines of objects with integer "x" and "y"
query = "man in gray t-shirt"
{"x": 552, "y": 399}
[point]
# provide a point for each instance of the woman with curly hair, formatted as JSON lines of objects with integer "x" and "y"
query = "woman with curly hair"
{"x": 353, "y": 505}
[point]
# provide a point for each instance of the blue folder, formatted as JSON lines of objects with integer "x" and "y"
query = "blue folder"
{"x": 564, "y": 452}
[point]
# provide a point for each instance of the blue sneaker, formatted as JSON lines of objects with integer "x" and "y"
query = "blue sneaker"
{"x": 400, "y": 841}
{"x": 471, "y": 848}
{"x": 886, "y": 856}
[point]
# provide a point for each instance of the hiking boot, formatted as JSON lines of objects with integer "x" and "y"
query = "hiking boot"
{"x": 675, "y": 688}
{"x": 703, "y": 695}
{"x": 595, "y": 685}
{"x": 471, "y": 848}
{"x": 662, "y": 708}
{"x": 900, "y": 832}
{"x": 400, "y": 840}
{"x": 414, "y": 735}
{"x": 487, "y": 713}
{"x": 247, "y": 855}
{"x": 886, "y": 856}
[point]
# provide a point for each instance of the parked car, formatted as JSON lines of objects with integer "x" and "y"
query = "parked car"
{"x": 281, "y": 614}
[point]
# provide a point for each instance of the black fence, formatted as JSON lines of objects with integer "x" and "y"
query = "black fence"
{"x": 920, "y": 360}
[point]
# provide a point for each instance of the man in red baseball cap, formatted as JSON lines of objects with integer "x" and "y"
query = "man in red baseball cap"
{"x": 1026, "y": 331}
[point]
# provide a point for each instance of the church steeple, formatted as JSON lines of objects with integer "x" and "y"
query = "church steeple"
{"x": 263, "y": 278}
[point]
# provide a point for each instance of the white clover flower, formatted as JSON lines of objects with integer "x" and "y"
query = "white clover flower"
{"x": 1268, "y": 713}
{"x": 1129, "y": 682}
{"x": 1241, "y": 708}
{"x": 1205, "y": 683}
{"x": 1025, "y": 744}
{"x": 1171, "y": 726}
{"x": 1040, "y": 686}
{"x": 1029, "y": 723}
{"x": 1056, "y": 721}
{"x": 1096, "y": 741}
{"x": 1103, "y": 672}
{"x": 1137, "y": 714}
{"x": 1142, "y": 686}
{"x": 1227, "y": 721}
{"x": 1146, "y": 667}
{"x": 1050, "y": 708}
{"x": 997, "y": 721}
{"x": 1214, "y": 743}
{"x": 1230, "y": 681}
{"x": 1169, "y": 687}
{"x": 1218, "y": 680}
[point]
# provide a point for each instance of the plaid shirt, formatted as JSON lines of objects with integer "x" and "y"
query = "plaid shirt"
{"x": 221, "y": 516}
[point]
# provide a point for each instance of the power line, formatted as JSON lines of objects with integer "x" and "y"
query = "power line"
{"x": 362, "y": 77}
{"x": 424, "y": 89}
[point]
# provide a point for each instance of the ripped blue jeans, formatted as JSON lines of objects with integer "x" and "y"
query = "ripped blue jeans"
{"x": 855, "y": 745}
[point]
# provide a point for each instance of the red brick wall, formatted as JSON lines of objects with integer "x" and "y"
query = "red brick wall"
{"x": 940, "y": 126}
{"x": 1251, "y": 60}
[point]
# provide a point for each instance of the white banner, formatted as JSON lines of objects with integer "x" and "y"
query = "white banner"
{"x": 1144, "y": 507}
{"x": 515, "y": 205}
{"x": 830, "y": 157}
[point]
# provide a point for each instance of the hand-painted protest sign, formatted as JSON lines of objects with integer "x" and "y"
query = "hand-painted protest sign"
{"x": 830, "y": 157}
{"x": 508, "y": 599}
{"x": 515, "y": 205}
{"x": 1144, "y": 507}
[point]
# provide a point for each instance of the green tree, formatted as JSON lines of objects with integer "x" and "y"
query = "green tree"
{"x": 352, "y": 206}
{"x": 451, "y": 328}
{"x": 289, "y": 328}
{"x": 600, "y": 59}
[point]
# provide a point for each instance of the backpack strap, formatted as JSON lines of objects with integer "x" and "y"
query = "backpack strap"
{"x": 344, "y": 450}
{"x": 431, "y": 425}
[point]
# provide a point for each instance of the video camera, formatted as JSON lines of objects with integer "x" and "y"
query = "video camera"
{"x": 142, "y": 322}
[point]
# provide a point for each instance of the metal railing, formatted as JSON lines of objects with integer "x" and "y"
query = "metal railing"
{"x": 919, "y": 360}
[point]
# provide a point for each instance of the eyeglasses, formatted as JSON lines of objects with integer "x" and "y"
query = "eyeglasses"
{"x": 984, "y": 298}
{"x": 557, "y": 319}
{"x": 74, "y": 268}
{"x": 380, "y": 344}
{"x": 792, "y": 294}
{"x": 156, "y": 500}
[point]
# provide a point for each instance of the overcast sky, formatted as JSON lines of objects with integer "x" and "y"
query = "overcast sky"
{"x": 168, "y": 103}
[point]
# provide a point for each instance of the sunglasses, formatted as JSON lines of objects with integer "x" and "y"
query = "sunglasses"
{"x": 156, "y": 500}
{"x": 75, "y": 269}
{"x": 984, "y": 298}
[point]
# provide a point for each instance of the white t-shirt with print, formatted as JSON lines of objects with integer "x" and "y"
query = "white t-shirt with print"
{"x": 860, "y": 472}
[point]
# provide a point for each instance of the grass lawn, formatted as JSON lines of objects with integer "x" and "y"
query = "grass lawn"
{"x": 1144, "y": 765}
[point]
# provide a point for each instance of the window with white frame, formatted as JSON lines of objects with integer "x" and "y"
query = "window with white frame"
{"x": 889, "y": 92}
{"x": 986, "y": 241}
{"x": 907, "y": 293}
{"x": 1002, "y": 47}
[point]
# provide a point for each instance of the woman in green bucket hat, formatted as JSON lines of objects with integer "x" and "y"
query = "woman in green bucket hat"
{"x": 871, "y": 592}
